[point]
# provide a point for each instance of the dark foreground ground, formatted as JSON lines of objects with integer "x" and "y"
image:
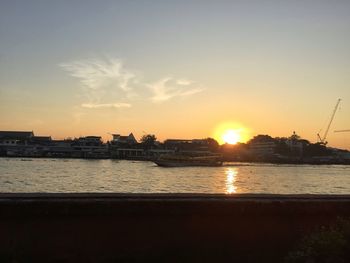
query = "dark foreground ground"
{"x": 159, "y": 227}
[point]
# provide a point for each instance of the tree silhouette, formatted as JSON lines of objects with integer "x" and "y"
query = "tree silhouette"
{"x": 148, "y": 140}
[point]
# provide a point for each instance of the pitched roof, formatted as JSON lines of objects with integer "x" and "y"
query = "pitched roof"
{"x": 16, "y": 134}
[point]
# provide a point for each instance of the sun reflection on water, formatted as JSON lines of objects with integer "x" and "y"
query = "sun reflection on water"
{"x": 231, "y": 175}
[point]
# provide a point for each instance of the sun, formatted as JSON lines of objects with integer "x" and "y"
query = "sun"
{"x": 231, "y": 137}
{"x": 231, "y": 133}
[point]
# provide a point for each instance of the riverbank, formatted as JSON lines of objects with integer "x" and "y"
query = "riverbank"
{"x": 224, "y": 160}
{"x": 160, "y": 227}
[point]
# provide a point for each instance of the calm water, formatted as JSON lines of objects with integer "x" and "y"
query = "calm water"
{"x": 73, "y": 175}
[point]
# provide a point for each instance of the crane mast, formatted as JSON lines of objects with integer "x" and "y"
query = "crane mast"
{"x": 322, "y": 140}
{"x": 342, "y": 131}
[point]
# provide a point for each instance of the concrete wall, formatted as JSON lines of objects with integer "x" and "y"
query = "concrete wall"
{"x": 168, "y": 228}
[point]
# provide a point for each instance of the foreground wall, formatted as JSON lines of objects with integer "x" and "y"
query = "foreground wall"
{"x": 169, "y": 228}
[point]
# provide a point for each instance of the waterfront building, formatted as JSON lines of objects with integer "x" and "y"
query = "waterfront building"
{"x": 88, "y": 141}
{"x": 41, "y": 140}
{"x": 194, "y": 145}
{"x": 125, "y": 147}
{"x": 89, "y": 147}
{"x": 15, "y": 137}
{"x": 60, "y": 148}
{"x": 262, "y": 146}
{"x": 296, "y": 145}
{"x": 120, "y": 139}
{"x": 127, "y": 153}
{"x": 15, "y": 143}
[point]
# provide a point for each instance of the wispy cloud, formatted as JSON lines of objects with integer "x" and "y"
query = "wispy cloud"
{"x": 105, "y": 105}
{"x": 102, "y": 81}
{"x": 168, "y": 88}
{"x": 184, "y": 82}
{"x": 97, "y": 74}
{"x": 108, "y": 84}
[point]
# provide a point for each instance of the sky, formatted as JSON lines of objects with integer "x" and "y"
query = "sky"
{"x": 176, "y": 69}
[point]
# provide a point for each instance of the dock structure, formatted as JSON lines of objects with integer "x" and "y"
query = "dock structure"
{"x": 160, "y": 227}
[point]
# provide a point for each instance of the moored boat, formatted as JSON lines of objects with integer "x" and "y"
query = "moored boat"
{"x": 177, "y": 160}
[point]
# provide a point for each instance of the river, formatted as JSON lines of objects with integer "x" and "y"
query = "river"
{"x": 121, "y": 176}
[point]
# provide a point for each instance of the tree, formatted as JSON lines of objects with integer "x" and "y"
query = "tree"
{"x": 294, "y": 137}
{"x": 261, "y": 138}
{"x": 326, "y": 244}
{"x": 213, "y": 145}
{"x": 148, "y": 140}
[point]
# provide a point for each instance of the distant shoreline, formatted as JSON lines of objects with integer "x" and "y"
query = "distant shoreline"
{"x": 300, "y": 162}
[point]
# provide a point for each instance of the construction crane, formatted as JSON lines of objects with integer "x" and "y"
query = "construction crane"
{"x": 322, "y": 140}
{"x": 342, "y": 131}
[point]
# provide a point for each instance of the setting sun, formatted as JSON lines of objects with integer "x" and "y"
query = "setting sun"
{"x": 231, "y": 133}
{"x": 231, "y": 137}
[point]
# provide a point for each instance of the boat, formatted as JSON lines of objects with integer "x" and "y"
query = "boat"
{"x": 178, "y": 160}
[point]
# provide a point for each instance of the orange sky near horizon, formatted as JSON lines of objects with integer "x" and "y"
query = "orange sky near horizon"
{"x": 341, "y": 140}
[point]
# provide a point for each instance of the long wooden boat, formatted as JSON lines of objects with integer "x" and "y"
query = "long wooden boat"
{"x": 183, "y": 160}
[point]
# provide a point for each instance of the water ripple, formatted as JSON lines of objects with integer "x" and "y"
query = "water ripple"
{"x": 73, "y": 175}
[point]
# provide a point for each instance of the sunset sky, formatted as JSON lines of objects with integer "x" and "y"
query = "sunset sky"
{"x": 176, "y": 69}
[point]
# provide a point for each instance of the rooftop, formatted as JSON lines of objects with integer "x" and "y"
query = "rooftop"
{"x": 16, "y": 134}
